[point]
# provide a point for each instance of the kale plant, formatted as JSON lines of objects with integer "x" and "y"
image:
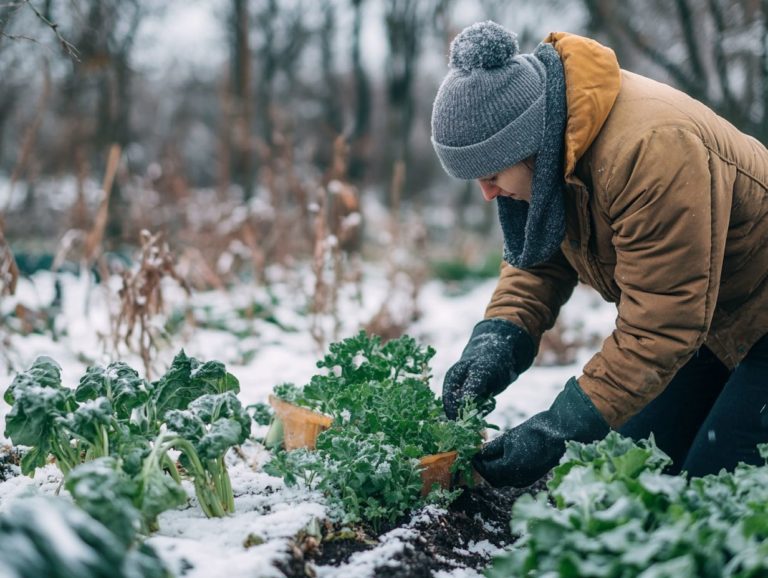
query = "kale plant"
{"x": 615, "y": 514}
{"x": 385, "y": 418}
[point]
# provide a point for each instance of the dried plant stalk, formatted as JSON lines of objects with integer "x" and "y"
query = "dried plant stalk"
{"x": 319, "y": 300}
{"x": 141, "y": 297}
{"x": 400, "y": 306}
{"x": 9, "y": 271}
{"x": 96, "y": 234}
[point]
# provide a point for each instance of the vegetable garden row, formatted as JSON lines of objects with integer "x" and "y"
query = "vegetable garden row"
{"x": 369, "y": 435}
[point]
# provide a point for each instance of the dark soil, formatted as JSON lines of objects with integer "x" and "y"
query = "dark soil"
{"x": 10, "y": 458}
{"x": 440, "y": 542}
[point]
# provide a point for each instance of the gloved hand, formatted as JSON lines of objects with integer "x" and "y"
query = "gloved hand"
{"x": 522, "y": 455}
{"x": 497, "y": 352}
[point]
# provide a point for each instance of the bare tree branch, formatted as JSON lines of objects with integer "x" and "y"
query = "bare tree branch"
{"x": 659, "y": 58}
{"x": 66, "y": 45}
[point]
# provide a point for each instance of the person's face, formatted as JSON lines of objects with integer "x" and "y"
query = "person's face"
{"x": 513, "y": 182}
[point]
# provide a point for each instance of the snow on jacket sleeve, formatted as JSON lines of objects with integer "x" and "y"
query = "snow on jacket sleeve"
{"x": 669, "y": 245}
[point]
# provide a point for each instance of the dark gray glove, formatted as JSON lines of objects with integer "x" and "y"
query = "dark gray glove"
{"x": 496, "y": 354}
{"x": 522, "y": 455}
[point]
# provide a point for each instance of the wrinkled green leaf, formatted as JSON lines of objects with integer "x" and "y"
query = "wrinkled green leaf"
{"x": 188, "y": 379}
{"x": 119, "y": 383}
{"x": 44, "y": 372}
{"x": 103, "y": 490}
{"x": 53, "y": 538}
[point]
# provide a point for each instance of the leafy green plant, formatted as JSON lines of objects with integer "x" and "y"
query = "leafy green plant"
{"x": 186, "y": 380}
{"x": 385, "y": 418}
{"x": 260, "y": 412}
{"x": 363, "y": 476}
{"x": 204, "y": 433}
{"x": 39, "y": 403}
{"x": 51, "y": 537}
{"x": 460, "y": 270}
{"x": 114, "y": 433}
{"x": 616, "y": 514}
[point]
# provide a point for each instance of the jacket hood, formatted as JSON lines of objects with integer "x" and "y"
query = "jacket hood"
{"x": 592, "y": 83}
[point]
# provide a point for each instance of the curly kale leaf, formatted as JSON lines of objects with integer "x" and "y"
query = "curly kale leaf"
{"x": 364, "y": 358}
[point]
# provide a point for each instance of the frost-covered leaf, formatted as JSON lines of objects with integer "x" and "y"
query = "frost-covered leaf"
{"x": 119, "y": 383}
{"x": 107, "y": 494}
{"x": 188, "y": 379}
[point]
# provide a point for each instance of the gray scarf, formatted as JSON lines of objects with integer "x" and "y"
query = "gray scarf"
{"x": 533, "y": 232}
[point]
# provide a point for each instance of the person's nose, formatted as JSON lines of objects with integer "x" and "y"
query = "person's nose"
{"x": 490, "y": 191}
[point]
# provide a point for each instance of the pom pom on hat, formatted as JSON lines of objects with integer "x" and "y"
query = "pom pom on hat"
{"x": 483, "y": 45}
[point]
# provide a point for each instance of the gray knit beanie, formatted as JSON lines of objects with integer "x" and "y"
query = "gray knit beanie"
{"x": 489, "y": 112}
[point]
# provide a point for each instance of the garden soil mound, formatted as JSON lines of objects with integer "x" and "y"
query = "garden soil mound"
{"x": 463, "y": 536}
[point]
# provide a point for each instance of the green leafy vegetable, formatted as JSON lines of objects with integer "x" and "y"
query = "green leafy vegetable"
{"x": 104, "y": 491}
{"x": 617, "y": 514}
{"x": 119, "y": 383}
{"x": 53, "y": 538}
{"x": 39, "y": 403}
{"x": 204, "y": 433}
{"x": 186, "y": 380}
{"x": 114, "y": 424}
{"x": 261, "y": 413}
{"x": 385, "y": 418}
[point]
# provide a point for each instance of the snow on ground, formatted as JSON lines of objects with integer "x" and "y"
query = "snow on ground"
{"x": 262, "y": 354}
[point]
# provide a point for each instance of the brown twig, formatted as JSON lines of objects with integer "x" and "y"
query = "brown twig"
{"x": 68, "y": 47}
{"x": 95, "y": 236}
{"x": 9, "y": 271}
{"x": 141, "y": 298}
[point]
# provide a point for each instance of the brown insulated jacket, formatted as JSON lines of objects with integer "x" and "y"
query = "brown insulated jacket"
{"x": 665, "y": 216}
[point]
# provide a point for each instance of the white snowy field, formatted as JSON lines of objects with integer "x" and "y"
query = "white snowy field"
{"x": 261, "y": 354}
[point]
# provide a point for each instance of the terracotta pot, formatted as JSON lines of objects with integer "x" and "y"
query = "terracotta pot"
{"x": 301, "y": 426}
{"x": 437, "y": 469}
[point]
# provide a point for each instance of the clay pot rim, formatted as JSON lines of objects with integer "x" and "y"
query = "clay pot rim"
{"x": 285, "y": 408}
{"x": 431, "y": 459}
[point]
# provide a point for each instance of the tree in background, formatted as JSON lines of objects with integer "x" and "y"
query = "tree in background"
{"x": 715, "y": 50}
{"x": 406, "y": 23}
{"x": 240, "y": 152}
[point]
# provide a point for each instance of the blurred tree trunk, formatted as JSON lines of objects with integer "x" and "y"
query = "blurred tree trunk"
{"x": 405, "y": 23}
{"x": 105, "y": 43}
{"x": 331, "y": 94}
{"x": 713, "y": 50}
{"x": 242, "y": 163}
{"x": 360, "y": 133}
{"x": 268, "y": 61}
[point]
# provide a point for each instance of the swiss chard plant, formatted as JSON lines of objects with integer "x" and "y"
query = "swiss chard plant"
{"x": 203, "y": 434}
{"x": 46, "y": 536}
{"x": 385, "y": 418}
{"x": 111, "y": 436}
{"x": 616, "y": 514}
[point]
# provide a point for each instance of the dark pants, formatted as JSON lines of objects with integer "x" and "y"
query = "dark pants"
{"x": 710, "y": 418}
